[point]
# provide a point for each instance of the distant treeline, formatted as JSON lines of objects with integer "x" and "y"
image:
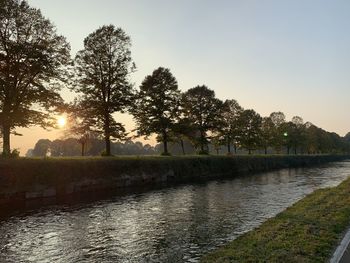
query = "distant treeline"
{"x": 95, "y": 147}
{"x": 35, "y": 63}
{"x": 323, "y": 143}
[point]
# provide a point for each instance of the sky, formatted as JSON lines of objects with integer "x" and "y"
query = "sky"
{"x": 270, "y": 55}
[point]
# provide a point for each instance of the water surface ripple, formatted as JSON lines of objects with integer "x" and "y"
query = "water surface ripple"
{"x": 176, "y": 224}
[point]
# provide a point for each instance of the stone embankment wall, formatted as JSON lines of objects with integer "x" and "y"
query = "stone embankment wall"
{"x": 22, "y": 180}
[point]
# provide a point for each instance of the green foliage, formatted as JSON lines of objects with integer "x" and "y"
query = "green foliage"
{"x": 102, "y": 78}
{"x": 13, "y": 154}
{"x": 306, "y": 232}
{"x": 157, "y": 105}
{"x": 33, "y": 59}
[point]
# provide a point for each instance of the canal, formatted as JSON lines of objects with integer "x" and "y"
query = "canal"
{"x": 177, "y": 224}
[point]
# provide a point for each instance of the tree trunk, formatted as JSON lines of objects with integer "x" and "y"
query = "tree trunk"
{"x": 182, "y": 146}
{"x": 265, "y": 148}
{"x": 108, "y": 145}
{"x": 249, "y": 151}
{"x": 6, "y": 151}
{"x": 202, "y": 142}
{"x": 83, "y": 149}
{"x": 107, "y": 135}
{"x": 228, "y": 145}
{"x": 165, "y": 143}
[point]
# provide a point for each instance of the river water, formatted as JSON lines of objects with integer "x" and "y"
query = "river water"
{"x": 176, "y": 224}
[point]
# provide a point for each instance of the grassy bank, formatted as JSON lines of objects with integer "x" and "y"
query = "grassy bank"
{"x": 308, "y": 231}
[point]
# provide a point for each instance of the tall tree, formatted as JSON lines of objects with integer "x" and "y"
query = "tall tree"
{"x": 157, "y": 106}
{"x": 298, "y": 133}
{"x": 278, "y": 119}
{"x": 32, "y": 62}
{"x": 229, "y": 127}
{"x": 182, "y": 131}
{"x": 202, "y": 109}
{"x": 79, "y": 125}
{"x": 267, "y": 133}
{"x": 103, "y": 68}
{"x": 250, "y": 122}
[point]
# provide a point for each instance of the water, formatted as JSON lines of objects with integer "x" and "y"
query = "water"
{"x": 176, "y": 224}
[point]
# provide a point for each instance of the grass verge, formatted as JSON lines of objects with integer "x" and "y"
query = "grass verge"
{"x": 308, "y": 231}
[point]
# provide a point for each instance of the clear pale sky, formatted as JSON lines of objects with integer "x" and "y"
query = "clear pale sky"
{"x": 270, "y": 55}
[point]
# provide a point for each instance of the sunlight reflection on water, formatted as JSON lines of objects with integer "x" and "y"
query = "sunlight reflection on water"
{"x": 176, "y": 224}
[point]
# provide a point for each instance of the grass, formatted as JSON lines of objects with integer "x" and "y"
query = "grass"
{"x": 308, "y": 231}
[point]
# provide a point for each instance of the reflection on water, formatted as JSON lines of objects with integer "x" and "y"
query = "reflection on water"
{"x": 170, "y": 225}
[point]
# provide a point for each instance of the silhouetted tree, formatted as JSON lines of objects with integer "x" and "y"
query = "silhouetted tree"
{"x": 102, "y": 72}
{"x": 79, "y": 125}
{"x": 41, "y": 148}
{"x": 157, "y": 106}
{"x": 32, "y": 62}
{"x": 250, "y": 123}
{"x": 298, "y": 133}
{"x": 229, "y": 128}
{"x": 181, "y": 132}
{"x": 202, "y": 109}
{"x": 267, "y": 133}
{"x": 278, "y": 119}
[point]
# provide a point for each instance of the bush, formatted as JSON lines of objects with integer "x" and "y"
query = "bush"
{"x": 13, "y": 154}
{"x": 204, "y": 152}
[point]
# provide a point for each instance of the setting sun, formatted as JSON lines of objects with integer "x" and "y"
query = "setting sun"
{"x": 61, "y": 121}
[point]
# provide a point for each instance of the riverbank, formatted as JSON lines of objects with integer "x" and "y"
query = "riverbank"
{"x": 308, "y": 231}
{"x": 24, "y": 179}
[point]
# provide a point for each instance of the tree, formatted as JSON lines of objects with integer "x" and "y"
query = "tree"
{"x": 298, "y": 133}
{"x": 202, "y": 109}
{"x": 267, "y": 133}
{"x": 79, "y": 125}
{"x": 32, "y": 62}
{"x": 250, "y": 122}
{"x": 102, "y": 78}
{"x": 182, "y": 130}
{"x": 41, "y": 148}
{"x": 229, "y": 124}
{"x": 157, "y": 105}
{"x": 278, "y": 119}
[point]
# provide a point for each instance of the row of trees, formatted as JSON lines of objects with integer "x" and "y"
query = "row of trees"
{"x": 94, "y": 147}
{"x": 35, "y": 62}
{"x": 202, "y": 118}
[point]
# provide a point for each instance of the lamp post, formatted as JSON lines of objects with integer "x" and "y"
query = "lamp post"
{"x": 285, "y": 134}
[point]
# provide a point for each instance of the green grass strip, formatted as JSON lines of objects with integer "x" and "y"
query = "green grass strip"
{"x": 308, "y": 231}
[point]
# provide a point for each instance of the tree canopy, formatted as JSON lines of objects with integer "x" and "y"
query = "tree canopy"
{"x": 202, "y": 109}
{"x": 157, "y": 105}
{"x": 32, "y": 62}
{"x": 35, "y": 64}
{"x": 102, "y": 80}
